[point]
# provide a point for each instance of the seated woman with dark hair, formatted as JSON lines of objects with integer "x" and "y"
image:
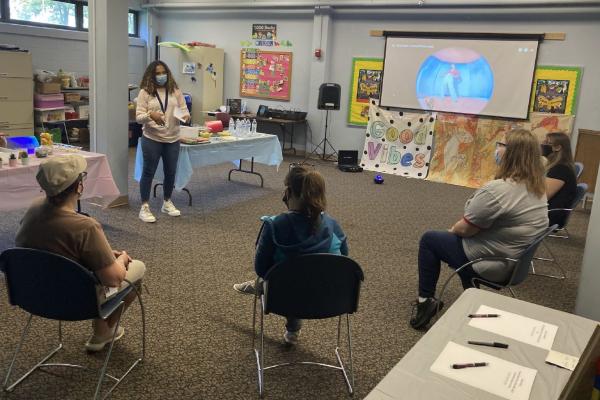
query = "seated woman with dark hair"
{"x": 500, "y": 219}
{"x": 561, "y": 181}
{"x": 304, "y": 229}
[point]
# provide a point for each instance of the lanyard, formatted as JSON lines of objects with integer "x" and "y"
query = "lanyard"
{"x": 163, "y": 108}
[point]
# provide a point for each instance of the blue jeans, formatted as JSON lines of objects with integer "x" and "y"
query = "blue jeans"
{"x": 435, "y": 247}
{"x": 153, "y": 151}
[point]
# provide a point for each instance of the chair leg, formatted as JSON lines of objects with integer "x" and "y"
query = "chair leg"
{"x": 18, "y": 349}
{"x": 349, "y": 380}
{"x": 552, "y": 259}
{"x": 512, "y": 292}
{"x": 107, "y": 358}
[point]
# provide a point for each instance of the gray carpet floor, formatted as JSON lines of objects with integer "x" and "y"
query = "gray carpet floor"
{"x": 200, "y": 330}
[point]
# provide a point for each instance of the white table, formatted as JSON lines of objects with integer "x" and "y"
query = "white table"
{"x": 411, "y": 378}
{"x": 261, "y": 148}
{"x": 18, "y": 186}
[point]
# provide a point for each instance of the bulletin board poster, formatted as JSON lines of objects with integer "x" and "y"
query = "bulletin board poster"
{"x": 264, "y": 34}
{"x": 555, "y": 89}
{"x": 398, "y": 143}
{"x": 365, "y": 84}
{"x": 266, "y": 74}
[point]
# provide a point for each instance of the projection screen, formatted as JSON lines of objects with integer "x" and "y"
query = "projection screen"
{"x": 471, "y": 76}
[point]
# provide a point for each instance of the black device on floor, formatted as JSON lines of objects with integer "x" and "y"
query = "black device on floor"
{"x": 348, "y": 161}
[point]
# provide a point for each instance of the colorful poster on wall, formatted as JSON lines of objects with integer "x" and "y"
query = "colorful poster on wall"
{"x": 265, "y": 74}
{"x": 365, "y": 84}
{"x": 398, "y": 143}
{"x": 555, "y": 89}
{"x": 264, "y": 34}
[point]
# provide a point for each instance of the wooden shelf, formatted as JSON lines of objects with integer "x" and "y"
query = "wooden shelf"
{"x": 50, "y": 109}
{"x": 74, "y": 89}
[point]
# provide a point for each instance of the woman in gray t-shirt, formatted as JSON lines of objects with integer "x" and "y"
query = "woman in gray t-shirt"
{"x": 500, "y": 219}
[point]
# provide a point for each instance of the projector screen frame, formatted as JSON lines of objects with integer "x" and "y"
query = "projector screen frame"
{"x": 462, "y": 36}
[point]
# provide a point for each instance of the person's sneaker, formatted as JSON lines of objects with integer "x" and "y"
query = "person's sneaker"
{"x": 425, "y": 311}
{"x": 146, "y": 215}
{"x": 291, "y": 338}
{"x": 95, "y": 343}
{"x": 169, "y": 208}
{"x": 245, "y": 287}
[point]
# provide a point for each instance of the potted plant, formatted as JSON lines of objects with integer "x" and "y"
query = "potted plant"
{"x": 12, "y": 161}
{"x": 24, "y": 157}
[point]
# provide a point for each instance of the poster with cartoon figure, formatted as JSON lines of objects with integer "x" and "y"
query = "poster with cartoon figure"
{"x": 555, "y": 89}
{"x": 365, "y": 84}
{"x": 398, "y": 143}
{"x": 265, "y": 74}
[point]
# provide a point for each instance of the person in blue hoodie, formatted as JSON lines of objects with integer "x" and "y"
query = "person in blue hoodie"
{"x": 304, "y": 229}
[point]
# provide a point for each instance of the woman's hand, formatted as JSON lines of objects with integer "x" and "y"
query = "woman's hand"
{"x": 187, "y": 118}
{"x": 158, "y": 117}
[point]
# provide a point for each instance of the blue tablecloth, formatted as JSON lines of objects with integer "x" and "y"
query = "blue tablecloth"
{"x": 265, "y": 149}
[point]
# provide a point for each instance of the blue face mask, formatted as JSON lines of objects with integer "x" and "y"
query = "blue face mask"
{"x": 498, "y": 156}
{"x": 161, "y": 79}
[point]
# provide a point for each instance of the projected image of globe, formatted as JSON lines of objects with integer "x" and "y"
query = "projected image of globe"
{"x": 455, "y": 79}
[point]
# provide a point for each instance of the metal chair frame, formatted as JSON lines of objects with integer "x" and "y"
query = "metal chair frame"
{"x": 507, "y": 260}
{"x": 102, "y": 372}
{"x": 261, "y": 295}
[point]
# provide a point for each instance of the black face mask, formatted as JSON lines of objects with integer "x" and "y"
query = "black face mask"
{"x": 546, "y": 150}
{"x": 286, "y": 196}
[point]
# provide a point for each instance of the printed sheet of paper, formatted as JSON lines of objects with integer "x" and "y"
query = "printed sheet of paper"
{"x": 562, "y": 360}
{"x": 500, "y": 377}
{"x": 517, "y": 327}
{"x": 179, "y": 114}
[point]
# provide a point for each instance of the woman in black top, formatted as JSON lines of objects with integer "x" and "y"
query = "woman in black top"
{"x": 561, "y": 181}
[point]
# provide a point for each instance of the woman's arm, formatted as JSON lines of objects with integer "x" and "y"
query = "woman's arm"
{"x": 181, "y": 104}
{"x": 463, "y": 228}
{"x": 553, "y": 186}
{"x": 265, "y": 251}
{"x": 142, "y": 115}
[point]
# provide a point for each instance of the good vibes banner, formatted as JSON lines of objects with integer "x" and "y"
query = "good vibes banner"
{"x": 398, "y": 143}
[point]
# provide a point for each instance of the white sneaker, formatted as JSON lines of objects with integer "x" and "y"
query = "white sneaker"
{"x": 291, "y": 338}
{"x": 169, "y": 208}
{"x": 146, "y": 215}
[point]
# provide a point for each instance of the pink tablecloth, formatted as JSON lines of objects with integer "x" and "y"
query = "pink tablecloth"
{"x": 18, "y": 186}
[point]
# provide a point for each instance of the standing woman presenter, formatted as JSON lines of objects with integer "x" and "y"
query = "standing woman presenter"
{"x": 157, "y": 102}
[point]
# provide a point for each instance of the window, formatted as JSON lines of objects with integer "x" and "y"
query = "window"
{"x": 43, "y": 12}
{"x": 65, "y": 14}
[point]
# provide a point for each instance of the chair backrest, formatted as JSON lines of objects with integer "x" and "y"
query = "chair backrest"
{"x": 578, "y": 169}
{"x": 521, "y": 269}
{"x": 580, "y": 192}
{"x": 49, "y": 285}
{"x": 313, "y": 286}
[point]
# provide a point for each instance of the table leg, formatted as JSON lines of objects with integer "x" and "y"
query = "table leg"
{"x": 184, "y": 189}
{"x": 292, "y": 138}
{"x": 251, "y": 171}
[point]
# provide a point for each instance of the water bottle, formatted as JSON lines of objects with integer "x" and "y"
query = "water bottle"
{"x": 245, "y": 127}
{"x": 236, "y": 127}
{"x": 232, "y": 126}
{"x": 254, "y": 126}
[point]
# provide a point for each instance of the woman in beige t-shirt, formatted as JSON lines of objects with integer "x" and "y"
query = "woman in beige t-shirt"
{"x": 157, "y": 102}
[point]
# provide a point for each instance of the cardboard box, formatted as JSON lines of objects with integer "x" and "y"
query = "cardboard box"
{"x": 49, "y": 115}
{"x": 72, "y": 97}
{"x": 47, "y": 87}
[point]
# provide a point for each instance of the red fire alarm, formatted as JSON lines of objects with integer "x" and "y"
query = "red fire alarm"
{"x": 318, "y": 53}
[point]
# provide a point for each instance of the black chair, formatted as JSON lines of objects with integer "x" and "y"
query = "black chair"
{"x": 50, "y": 286}
{"x": 313, "y": 286}
{"x": 579, "y": 195}
{"x": 520, "y": 267}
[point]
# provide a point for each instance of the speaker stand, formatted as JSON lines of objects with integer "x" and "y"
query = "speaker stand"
{"x": 325, "y": 142}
